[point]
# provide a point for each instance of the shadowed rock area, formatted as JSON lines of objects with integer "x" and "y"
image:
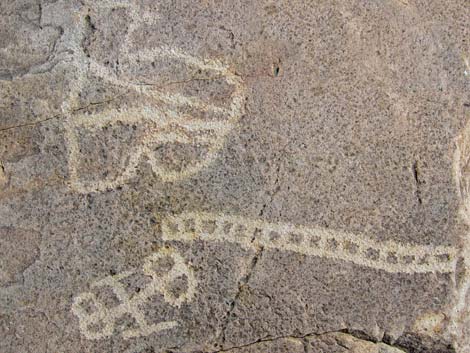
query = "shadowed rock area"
{"x": 234, "y": 176}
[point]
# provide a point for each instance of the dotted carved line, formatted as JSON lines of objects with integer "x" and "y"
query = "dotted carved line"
{"x": 391, "y": 257}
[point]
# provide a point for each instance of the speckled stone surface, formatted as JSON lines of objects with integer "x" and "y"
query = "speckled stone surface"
{"x": 234, "y": 176}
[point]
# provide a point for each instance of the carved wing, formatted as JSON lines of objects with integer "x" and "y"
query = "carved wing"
{"x": 177, "y": 127}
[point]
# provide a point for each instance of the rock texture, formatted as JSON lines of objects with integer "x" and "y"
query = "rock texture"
{"x": 234, "y": 176}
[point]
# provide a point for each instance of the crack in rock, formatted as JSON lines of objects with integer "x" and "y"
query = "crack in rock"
{"x": 352, "y": 342}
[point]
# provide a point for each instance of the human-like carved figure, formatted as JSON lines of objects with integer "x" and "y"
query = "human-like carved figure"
{"x": 100, "y": 323}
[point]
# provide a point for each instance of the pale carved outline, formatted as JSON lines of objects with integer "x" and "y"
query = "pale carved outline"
{"x": 251, "y": 234}
{"x": 460, "y": 311}
{"x": 160, "y": 284}
{"x": 171, "y": 125}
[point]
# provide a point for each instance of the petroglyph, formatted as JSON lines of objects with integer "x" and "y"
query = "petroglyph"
{"x": 101, "y": 322}
{"x": 168, "y": 126}
{"x": 163, "y": 115}
{"x": 460, "y": 312}
{"x": 312, "y": 241}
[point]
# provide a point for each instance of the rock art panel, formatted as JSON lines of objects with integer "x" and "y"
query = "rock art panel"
{"x": 234, "y": 176}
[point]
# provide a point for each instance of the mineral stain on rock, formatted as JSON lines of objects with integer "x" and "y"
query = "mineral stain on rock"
{"x": 3, "y": 177}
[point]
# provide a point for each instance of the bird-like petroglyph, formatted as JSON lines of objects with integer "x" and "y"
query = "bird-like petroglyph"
{"x": 312, "y": 241}
{"x": 100, "y": 322}
{"x": 167, "y": 118}
{"x": 167, "y": 126}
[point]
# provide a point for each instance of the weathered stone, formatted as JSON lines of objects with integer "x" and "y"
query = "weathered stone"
{"x": 234, "y": 176}
{"x": 19, "y": 249}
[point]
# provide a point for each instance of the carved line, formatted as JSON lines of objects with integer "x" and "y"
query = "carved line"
{"x": 460, "y": 311}
{"x": 388, "y": 256}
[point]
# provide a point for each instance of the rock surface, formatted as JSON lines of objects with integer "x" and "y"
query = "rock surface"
{"x": 234, "y": 176}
